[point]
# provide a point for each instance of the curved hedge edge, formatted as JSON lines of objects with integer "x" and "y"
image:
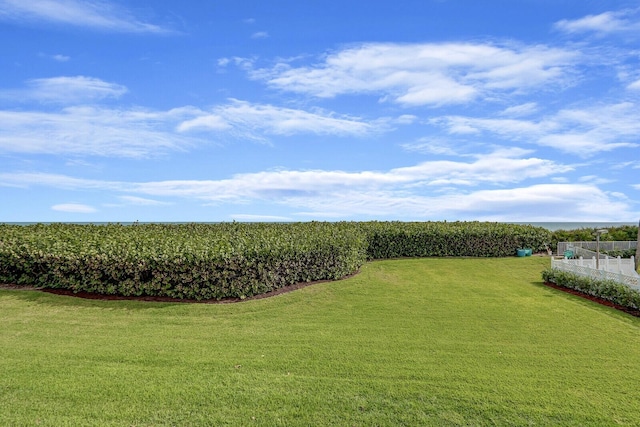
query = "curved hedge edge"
{"x": 228, "y": 260}
{"x": 608, "y": 290}
{"x": 151, "y": 298}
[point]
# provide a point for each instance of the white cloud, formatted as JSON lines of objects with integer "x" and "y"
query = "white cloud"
{"x": 94, "y": 14}
{"x": 253, "y": 120}
{"x": 101, "y": 131}
{"x": 603, "y": 23}
{"x": 74, "y": 208}
{"x": 66, "y": 90}
{"x": 141, "y": 201}
{"x": 520, "y": 110}
{"x": 425, "y": 74}
{"x": 504, "y": 166}
{"x": 584, "y": 132}
{"x": 499, "y": 168}
{"x": 433, "y": 146}
{"x": 57, "y": 57}
{"x": 429, "y": 190}
{"x": 544, "y": 202}
{"x": 260, "y": 218}
{"x": 260, "y": 35}
{"x": 93, "y": 131}
{"x": 634, "y": 85}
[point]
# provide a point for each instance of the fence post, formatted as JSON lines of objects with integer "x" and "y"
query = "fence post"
{"x": 637, "y": 248}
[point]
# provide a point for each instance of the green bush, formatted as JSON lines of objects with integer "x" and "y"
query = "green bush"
{"x": 627, "y": 253}
{"x": 609, "y": 290}
{"x": 438, "y": 239}
{"x": 237, "y": 260}
{"x": 195, "y": 261}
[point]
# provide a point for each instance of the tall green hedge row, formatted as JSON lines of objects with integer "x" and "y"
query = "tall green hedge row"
{"x": 438, "y": 239}
{"x": 231, "y": 260}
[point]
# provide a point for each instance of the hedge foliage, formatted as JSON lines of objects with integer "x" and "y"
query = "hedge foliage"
{"x": 438, "y": 239}
{"x": 231, "y": 260}
{"x": 609, "y": 290}
{"x": 194, "y": 261}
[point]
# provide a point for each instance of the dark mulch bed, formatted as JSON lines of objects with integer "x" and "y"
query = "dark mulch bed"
{"x": 631, "y": 311}
{"x": 90, "y": 295}
{"x": 96, "y": 296}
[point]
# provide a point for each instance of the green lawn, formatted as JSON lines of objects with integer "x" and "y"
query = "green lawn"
{"x": 406, "y": 342}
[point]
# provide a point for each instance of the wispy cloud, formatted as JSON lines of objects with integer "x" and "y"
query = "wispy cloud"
{"x": 86, "y": 128}
{"x": 253, "y": 120}
{"x": 90, "y": 130}
{"x": 142, "y": 201}
{"x": 94, "y": 14}
{"x": 74, "y": 208}
{"x": 634, "y": 85}
{"x": 541, "y": 202}
{"x": 57, "y": 57}
{"x": 520, "y": 110}
{"x": 503, "y": 166}
{"x": 427, "y": 145}
{"x": 65, "y": 90}
{"x": 627, "y": 20}
{"x": 425, "y": 74}
{"x": 260, "y": 218}
{"x": 584, "y": 132}
{"x": 485, "y": 187}
{"x": 260, "y": 35}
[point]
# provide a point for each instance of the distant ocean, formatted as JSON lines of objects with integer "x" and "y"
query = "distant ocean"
{"x": 552, "y": 226}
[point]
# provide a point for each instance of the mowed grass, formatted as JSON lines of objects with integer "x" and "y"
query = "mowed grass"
{"x": 405, "y": 342}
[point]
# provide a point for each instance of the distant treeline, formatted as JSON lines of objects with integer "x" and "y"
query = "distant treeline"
{"x": 621, "y": 233}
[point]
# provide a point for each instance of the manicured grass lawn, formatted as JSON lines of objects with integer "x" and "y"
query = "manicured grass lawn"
{"x": 405, "y": 342}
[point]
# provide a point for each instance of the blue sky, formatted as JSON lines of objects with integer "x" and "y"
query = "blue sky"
{"x": 288, "y": 110}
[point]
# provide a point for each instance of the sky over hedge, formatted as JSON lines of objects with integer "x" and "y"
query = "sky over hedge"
{"x": 295, "y": 111}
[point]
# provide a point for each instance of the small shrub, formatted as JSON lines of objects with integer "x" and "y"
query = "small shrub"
{"x": 609, "y": 290}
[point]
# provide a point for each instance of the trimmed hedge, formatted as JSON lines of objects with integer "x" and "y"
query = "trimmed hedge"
{"x": 232, "y": 260}
{"x": 194, "y": 261}
{"x": 439, "y": 239}
{"x": 609, "y": 290}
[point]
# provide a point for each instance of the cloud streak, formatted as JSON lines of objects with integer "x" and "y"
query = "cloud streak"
{"x": 426, "y": 73}
{"x": 97, "y": 15}
{"x": 96, "y": 130}
{"x": 623, "y": 21}
{"x": 65, "y": 90}
{"x": 253, "y": 120}
{"x": 74, "y": 208}
{"x": 584, "y": 132}
{"x": 426, "y": 187}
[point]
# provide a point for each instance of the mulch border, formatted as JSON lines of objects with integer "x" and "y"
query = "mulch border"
{"x": 631, "y": 311}
{"x": 283, "y": 290}
{"x": 146, "y": 298}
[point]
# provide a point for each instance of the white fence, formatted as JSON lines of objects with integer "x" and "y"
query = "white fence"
{"x": 604, "y": 245}
{"x": 616, "y": 269}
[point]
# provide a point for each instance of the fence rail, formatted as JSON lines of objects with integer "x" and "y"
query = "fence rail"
{"x": 616, "y": 269}
{"x": 618, "y": 245}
